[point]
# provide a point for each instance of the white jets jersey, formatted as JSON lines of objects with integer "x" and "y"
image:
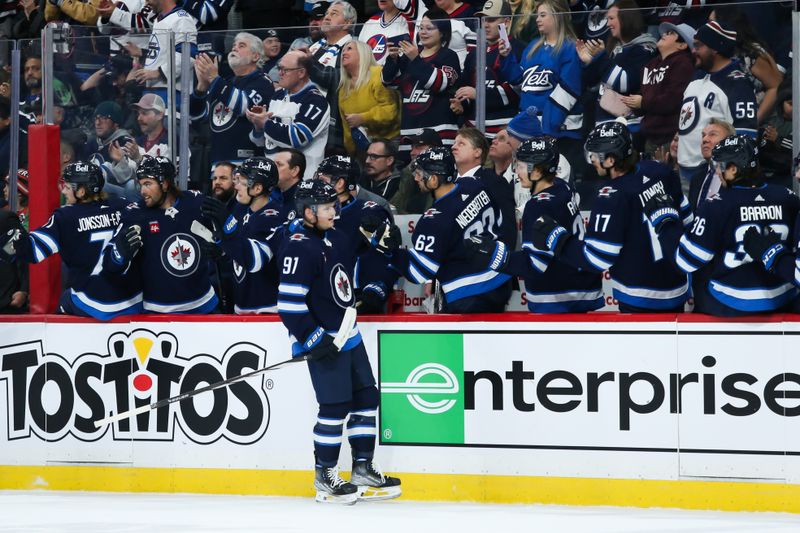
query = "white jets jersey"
{"x": 726, "y": 95}
{"x": 133, "y": 16}
{"x": 183, "y": 25}
{"x": 379, "y": 34}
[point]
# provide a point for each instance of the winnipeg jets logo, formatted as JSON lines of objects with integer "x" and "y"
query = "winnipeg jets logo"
{"x": 605, "y": 192}
{"x": 153, "y": 51}
{"x": 378, "y": 44}
{"x": 689, "y": 116}
{"x": 537, "y": 79}
{"x": 179, "y": 255}
{"x": 430, "y": 213}
{"x": 221, "y": 116}
{"x": 369, "y": 204}
{"x": 543, "y": 196}
{"x": 341, "y": 286}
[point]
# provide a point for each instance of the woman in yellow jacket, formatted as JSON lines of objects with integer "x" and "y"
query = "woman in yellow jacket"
{"x": 364, "y": 102}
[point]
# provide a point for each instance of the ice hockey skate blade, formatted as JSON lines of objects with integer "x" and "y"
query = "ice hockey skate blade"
{"x": 374, "y": 494}
{"x": 345, "y": 499}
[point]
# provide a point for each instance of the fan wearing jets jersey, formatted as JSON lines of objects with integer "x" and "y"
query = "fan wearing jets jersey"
{"x": 78, "y": 232}
{"x": 175, "y": 278}
{"x": 315, "y": 289}
{"x": 619, "y": 237}
{"x": 731, "y": 277}
{"x": 551, "y": 285}
{"x": 244, "y": 237}
{"x": 461, "y": 209}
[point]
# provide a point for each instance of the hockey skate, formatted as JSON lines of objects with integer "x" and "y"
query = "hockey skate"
{"x": 372, "y": 484}
{"x": 333, "y": 489}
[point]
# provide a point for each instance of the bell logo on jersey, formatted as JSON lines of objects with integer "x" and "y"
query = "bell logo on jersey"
{"x": 341, "y": 286}
{"x": 179, "y": 255}
{"x": 130, "y": 370}
{"x": 536, "y": 80}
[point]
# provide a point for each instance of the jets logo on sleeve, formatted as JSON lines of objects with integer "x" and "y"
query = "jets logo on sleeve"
{"x": 179, "y": 255}
{"x": 430, "y": 213}
{"x": 605, "y": 192}
{"x": 341, "y": 286}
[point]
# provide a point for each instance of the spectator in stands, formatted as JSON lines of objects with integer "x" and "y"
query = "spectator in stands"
{"x": 424, "y": 76}
{"x": 32, "y": 74}
{"x": 462, "y": 32}
{"x": 13, "y": 275}
{"x": 379, "y": 168}
{"x": 367, "y": 109}
{"x": 501, "y": 155}
{"x": 502, "y": 100}
{"x": 720, "y": 90}
{"x": 315, "y": 17}
{"x": 409, "y": 199}
{"x": 5, "y": 137}
{"x": 664, "y": 79}
{"x": 701, "y": 190}
{"x": 66, "y": 153}
{"x": 108, "y": 82}
{"x": 550, "y": 78}
{"x": 389, "y": 25}
{"x": 523, "y": 20}
{"x": 224, "y": 102}
{"x": 222, "y": 185}
{"x": 272, "y": 54}
{"x": 754, "y": 58}
{"x": 30, "y": 21}
{"x": 326, "y": 63}
{"x": 153, "y": 141}
{"x": 469, "y": 152}
{"x": 617, "y": 67}
{"x": 77, "y": 12}
{"x": 776, "y": 142}
{"x": 297, "y": 115}
{"x": 22, "y": 195}
{"x": 291, "y": 165}
{"x": 107, "y": 152}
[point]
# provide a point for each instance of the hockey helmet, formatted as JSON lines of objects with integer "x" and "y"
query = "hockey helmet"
{"x": 84, "y": 173}
{"x": 539, "y": 151}
{"x": 159, "y": 168}
{"x": 437, "y": 161}
{"x": 341, "y": 167}
{"x": 311, "y": 193}
{"x": 259, "y": 170}
{"x": 609, "y": 139}
{"x": 740, "y": 151}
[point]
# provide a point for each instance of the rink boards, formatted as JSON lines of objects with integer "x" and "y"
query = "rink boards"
{"x": 596, "y": 410}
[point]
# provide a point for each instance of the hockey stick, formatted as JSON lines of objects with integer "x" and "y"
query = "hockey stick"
{"x": 345, "y": 328}
{"x": 207, "y": 235}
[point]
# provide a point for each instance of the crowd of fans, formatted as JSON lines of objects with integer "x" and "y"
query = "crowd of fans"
{"x": 381, "y": 83}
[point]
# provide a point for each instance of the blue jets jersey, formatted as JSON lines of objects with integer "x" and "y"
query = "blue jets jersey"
{"x": 438, "y": 243}
{"x": 728, "y": 277}
{"x": 550, "y": 80}
{"x": 370, "y": 266}
{"x": 315, "y": 286}
{"x": 175, "y": 279}
{"x": 224, "y": 106}
{"x": 256, "y": 289}
{"x": 552, "y": 286}
{"x": 620, "y": 239}
{"x": 79, "y": 233}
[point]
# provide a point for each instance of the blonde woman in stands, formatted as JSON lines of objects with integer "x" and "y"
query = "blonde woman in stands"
{"x": 366, "y": 106}
{"x": 523, "y": 21}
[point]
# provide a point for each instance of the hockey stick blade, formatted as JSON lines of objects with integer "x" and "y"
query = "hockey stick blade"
{"x": 202, "y": 231}
{"x": 347, "y": 325}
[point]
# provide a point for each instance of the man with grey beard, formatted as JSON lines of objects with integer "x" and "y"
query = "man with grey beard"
{"x": 223, "y": 102}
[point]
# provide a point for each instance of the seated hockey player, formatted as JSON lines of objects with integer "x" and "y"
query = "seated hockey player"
{"x": 619, "y": 237}
{"x": 175, "y": 278}
{"x": 244, "y": 237}
{"x": 79, "y": 231}
{"x": 551, "y": 286}
{"x": 315, "y": 289}
{"x": 461, "y": 209}
{"x": 372, "y": 276}
{"x": 727, "y": 279}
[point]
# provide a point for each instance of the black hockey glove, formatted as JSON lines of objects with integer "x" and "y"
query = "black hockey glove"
{"x": 660, "y": 210}
{"x": 126, "y": 243}
{"x": 548, "y": 235}
{"x": 766, "y": 248}
{"x": 11, "y": 241}
{"x": 487, "y": 252}
{"x": 385, "y": 238}
{"x": 224, "y": 224}
{"x": 372, "y": 299}
{"x": 324, "y": 350}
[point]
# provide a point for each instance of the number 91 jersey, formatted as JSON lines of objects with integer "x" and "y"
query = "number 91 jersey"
{"x": 438, "y": 242}
{"x": 732, "y": 278}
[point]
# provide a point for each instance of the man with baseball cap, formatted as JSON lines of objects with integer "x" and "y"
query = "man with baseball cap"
{"x": 107, "y": 150}
{"x": 315, "y": 17}
{"x": 150, "y": 111}
{"x": 721, "y": 90}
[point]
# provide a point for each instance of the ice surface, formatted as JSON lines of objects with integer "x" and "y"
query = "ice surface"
{"x": 93, "y": 512}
